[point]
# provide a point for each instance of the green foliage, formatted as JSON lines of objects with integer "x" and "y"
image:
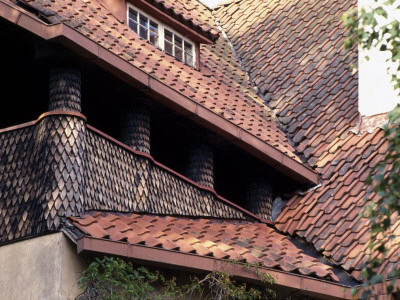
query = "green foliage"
{"x": 375, "y": 28}
{"x": 371, "y": 28}
{"x": 385, "y": 180}
{"x": 220, "y": 285}
{"x": 113, "y": 278}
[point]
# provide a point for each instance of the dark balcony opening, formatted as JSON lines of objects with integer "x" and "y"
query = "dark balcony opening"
{"x": 24, "y": 81}
{"x": 27, "y": 62}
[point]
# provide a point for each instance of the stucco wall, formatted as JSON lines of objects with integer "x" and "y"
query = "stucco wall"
{"x": 45, "y": 267}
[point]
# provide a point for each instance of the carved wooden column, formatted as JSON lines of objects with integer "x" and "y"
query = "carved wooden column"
{"x": 65, "y": 89}
{"x": 200, "y": 166}
{"x": 61, "y": 140}
{"x": 259, "y": 198}
{"x": 135, "y": 131}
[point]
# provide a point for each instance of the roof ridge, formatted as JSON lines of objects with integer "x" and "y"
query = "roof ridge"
{"x": 224, "y": 3}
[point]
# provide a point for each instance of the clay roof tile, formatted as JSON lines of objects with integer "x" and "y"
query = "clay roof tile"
{"x": 249, "y": 242}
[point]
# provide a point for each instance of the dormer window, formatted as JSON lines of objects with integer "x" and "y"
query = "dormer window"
{"x": 161, "y": 36}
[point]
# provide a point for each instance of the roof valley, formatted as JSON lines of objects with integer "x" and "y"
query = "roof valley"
{"x": 254, "y": 85}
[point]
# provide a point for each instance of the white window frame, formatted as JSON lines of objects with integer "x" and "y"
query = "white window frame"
{"x": 161, "y": 37}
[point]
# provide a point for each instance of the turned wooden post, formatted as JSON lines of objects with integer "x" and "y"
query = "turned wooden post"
{"x": 61, "y": 146}
{"x": 200, "y": 166}
{"x": 259, "y": 198}
{"x": 65, "y": 90}
{"x": 135, "y": 130}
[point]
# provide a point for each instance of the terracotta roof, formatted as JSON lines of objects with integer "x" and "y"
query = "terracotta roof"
{"x": 299, "y": 64}
{"x": 293, "y": 53}
{"x": 238, "y": 240}
{"x": 299, "y": 67}
{"x": 227, "y": 96}
{"x": 329, "y": 216}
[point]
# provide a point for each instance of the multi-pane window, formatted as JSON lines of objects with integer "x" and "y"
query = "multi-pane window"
{"x": 145, "y": 27}
{"x": 178, "y": 47}
{"x": 161, "y": 36}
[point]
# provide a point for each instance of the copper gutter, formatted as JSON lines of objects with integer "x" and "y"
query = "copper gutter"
{"x": 162, "y": 92}
{"x": 196, "y": 263}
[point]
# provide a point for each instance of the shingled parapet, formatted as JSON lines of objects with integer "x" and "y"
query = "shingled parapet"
{"x": 65, "y": 90}
{"x": 41, "y": 175}
{"x": 200, "y": 165}
{"x": 120, "y": 180}
{"x": 259, "y": 198}
{"x": 135, "y": 130}
{"x": 18, "y": 172}
{"x": 57, "y": 167}
{"x": 61, "y": 167}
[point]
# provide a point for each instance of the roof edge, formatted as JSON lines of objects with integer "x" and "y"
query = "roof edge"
{"x": 192, "y": 262}
{"x": 162, "y": 92}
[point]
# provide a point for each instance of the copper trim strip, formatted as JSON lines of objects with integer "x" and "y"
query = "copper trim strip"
{"x": 42, "y": 116}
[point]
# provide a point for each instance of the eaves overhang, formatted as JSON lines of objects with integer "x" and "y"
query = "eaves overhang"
{"x": 195, "y": 263}
{"x": 138, "y": 78}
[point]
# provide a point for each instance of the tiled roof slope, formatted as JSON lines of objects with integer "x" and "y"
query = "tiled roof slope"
{"x": 329, "y": 216}
{"x": 226, "y": 98}
{"x": 238, "y": 240}
{"x": 293, "y": 52}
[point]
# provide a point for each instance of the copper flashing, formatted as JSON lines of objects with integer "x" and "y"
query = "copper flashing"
{"x": 191, "y": 262}
{"x": 42, "y": 116}
{"x": 162, "y": 92}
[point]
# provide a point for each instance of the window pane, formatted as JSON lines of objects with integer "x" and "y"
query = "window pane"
{"x": 188, "y": 48}
{"x": 133, "y": 25}
{"x": 153, "y": 26}
{"x": 178, "y": 48}
{"x": 133, "y": 14}
{"x": 189, "y": 59}
{"x": 133, "y": 20}
{"x": 143, "y": 32}
{"x": 168, "y": 36}
{"x": 144, "y": 21}
{"x": 178, "y": 42}
{"x": 168, "y": 47}
{"x": 168, "y": 44}
{"x": 144, "y": 24}
{"x": 188, "y": 53}
{"x": 153, "y": 38}
{"x": 178, "y": 53}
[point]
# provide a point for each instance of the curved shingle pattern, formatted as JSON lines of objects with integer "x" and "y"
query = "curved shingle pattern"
{"x": 293, "y": 52}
